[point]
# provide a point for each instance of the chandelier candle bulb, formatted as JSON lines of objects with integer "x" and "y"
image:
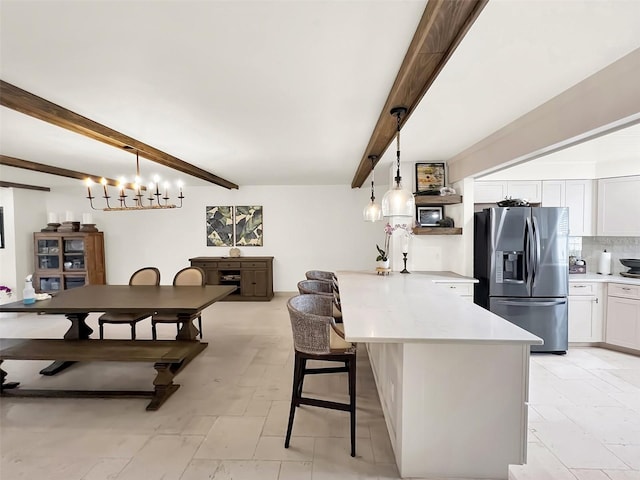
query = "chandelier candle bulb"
{"x": 89, "y": 182}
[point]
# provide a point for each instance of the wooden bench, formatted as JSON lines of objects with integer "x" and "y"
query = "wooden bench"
{"x": 169, "y": 358}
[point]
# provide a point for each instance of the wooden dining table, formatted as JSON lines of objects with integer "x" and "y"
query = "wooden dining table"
{"x": 77, "y": 303}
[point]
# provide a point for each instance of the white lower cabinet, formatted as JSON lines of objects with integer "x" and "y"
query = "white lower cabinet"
{"x": 586, "y": 312}
{"x": 623, "y": 316}
{"x": 462, "y": 289}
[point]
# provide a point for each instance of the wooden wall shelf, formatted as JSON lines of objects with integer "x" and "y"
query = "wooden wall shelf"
{"x": 429, "y": 200}
{"x": 437, "y": 231}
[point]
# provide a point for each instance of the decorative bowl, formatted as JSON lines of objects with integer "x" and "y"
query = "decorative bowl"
{"x": 632, "y": 263}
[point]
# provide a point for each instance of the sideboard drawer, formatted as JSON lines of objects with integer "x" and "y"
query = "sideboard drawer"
{"x": 228, "y": 264}
{"x": 254, "y": 264}
{"x": 205, "y": 265}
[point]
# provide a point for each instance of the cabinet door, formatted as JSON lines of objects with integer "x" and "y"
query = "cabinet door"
{"x": 528, "y": 190}
{"x": 623, "y": 322}
{"x": 489, "y": 192}
{"x": 553, "y": 193}
{"x": 579, "y": 199}
{"x": 619, "y": 207}
{"x": 581, "y": 319}
{"x": 254, "y": 283}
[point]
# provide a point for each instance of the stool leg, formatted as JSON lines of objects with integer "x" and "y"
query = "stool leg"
{"x": 294, "y": 397}
{"x": 133, "y": 331}
{"x": 154, "y": 334}
{"x": 101, "y": 331}
{"x": 352, "y": 403}
{"x": 200, "y": 325}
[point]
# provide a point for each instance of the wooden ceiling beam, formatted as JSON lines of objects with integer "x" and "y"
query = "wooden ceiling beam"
{"x": 24, "y": 102}
{"x": 441, "y": 29}
{"x": 61, "y": 172}
{"x": 24, "y": 186}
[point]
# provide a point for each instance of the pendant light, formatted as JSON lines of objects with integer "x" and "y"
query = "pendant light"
{"x": 398, "y": 202}
{"x": 372, "y": 212}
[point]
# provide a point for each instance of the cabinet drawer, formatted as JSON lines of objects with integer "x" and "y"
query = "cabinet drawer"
{"x": 205, "y": 265}
{"x": 254, "y": 264}
{"x": 576, "y": 289}
{"x": 229, "y": 264}
{"x": 458, "y": 288}
{"x": 622, "y": 290}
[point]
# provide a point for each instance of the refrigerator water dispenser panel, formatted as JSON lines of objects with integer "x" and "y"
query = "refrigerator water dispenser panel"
{"x": 510, "y": 267}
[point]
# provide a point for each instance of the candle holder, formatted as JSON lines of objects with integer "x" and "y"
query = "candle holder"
{"x": 404, "y": 270}
{"x": 69, "y": 227}
{"x": 51, "y": 227}
{"x": 88, "y": 227}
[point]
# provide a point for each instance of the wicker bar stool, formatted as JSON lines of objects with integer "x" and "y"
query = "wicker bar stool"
{"x": 315, "y": 337}
{"x": 324, "y": 288}
{"x": 324, "y": 276}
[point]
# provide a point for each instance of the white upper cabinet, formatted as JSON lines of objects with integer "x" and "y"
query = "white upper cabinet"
{"x": 494, "y": 191}
{"x": 578, "y": 196}
{"x": 554, "y": 193}
{"x": 527, "y": 190}
{"x": 489, "y": 192}
{"x": 619, "y": 207}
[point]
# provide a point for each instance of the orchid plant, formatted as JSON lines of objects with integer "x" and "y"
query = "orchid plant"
{"x": 5, "y": 290}
{"x": 383, "y": 253}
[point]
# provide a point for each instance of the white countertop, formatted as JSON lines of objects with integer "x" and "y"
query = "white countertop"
{"x": 445, "y": 277}
{"x": 596, "y": 277}
{"x": 413, "y": 308}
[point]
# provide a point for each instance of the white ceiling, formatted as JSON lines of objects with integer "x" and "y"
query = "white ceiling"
{"x": 282, "y": 92}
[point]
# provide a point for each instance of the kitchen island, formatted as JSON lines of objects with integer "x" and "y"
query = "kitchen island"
{"x": 453, "y": 378}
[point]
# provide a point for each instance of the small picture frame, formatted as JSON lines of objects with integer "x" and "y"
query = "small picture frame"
{"x": 430, "y": 178}
{"x": 428, "y": 216}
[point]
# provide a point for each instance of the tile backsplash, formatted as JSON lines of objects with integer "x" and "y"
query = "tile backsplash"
{"x": 620, "y": 247}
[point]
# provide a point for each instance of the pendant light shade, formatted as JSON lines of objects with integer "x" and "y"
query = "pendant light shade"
{"x": 398, "y": 202}
{"x": 372, "y": 212}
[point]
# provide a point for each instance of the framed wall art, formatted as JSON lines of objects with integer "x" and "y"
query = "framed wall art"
{"x": 430, "y": 178}
{"x": 248, "y": 223}
{"x": 428, "y": 216}
{"x": 220, "y": 226}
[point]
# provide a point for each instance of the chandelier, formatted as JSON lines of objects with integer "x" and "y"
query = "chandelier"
{"x": 155, "y": 200}
{"x": 398, "y": 202}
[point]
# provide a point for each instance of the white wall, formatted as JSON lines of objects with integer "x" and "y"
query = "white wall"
{"x": 437, "y": 252}
{"x": 24, "y": 211}
{"x": 305, "y": 227}
{"x": 8, "y": 253}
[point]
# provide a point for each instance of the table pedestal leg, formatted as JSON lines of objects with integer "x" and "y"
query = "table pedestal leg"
{"x": 188, "y": 331}
{"x": 78, "y": 330}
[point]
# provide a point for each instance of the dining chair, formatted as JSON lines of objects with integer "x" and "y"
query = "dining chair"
{"x": 316, "y": 337}
{"x": 191, "y": 277}
{"x": 144, "y": 276}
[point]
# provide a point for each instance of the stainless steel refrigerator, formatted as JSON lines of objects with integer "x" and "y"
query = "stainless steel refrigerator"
{"x": 520, "y": 260}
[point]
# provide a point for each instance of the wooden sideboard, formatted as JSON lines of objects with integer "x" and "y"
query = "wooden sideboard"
{"x": 252, "y": 275}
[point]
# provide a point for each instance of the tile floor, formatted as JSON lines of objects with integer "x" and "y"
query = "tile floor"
{"x": 228, "y": 419}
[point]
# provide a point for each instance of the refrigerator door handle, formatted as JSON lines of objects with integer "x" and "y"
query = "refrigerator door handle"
{"x": 536, "y": 249}
{"x": 528, "y": 242}
{"x": 515, "y": 303}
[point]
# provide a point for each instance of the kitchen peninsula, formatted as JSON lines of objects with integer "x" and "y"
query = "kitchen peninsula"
{"x": 453, "y": 378}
